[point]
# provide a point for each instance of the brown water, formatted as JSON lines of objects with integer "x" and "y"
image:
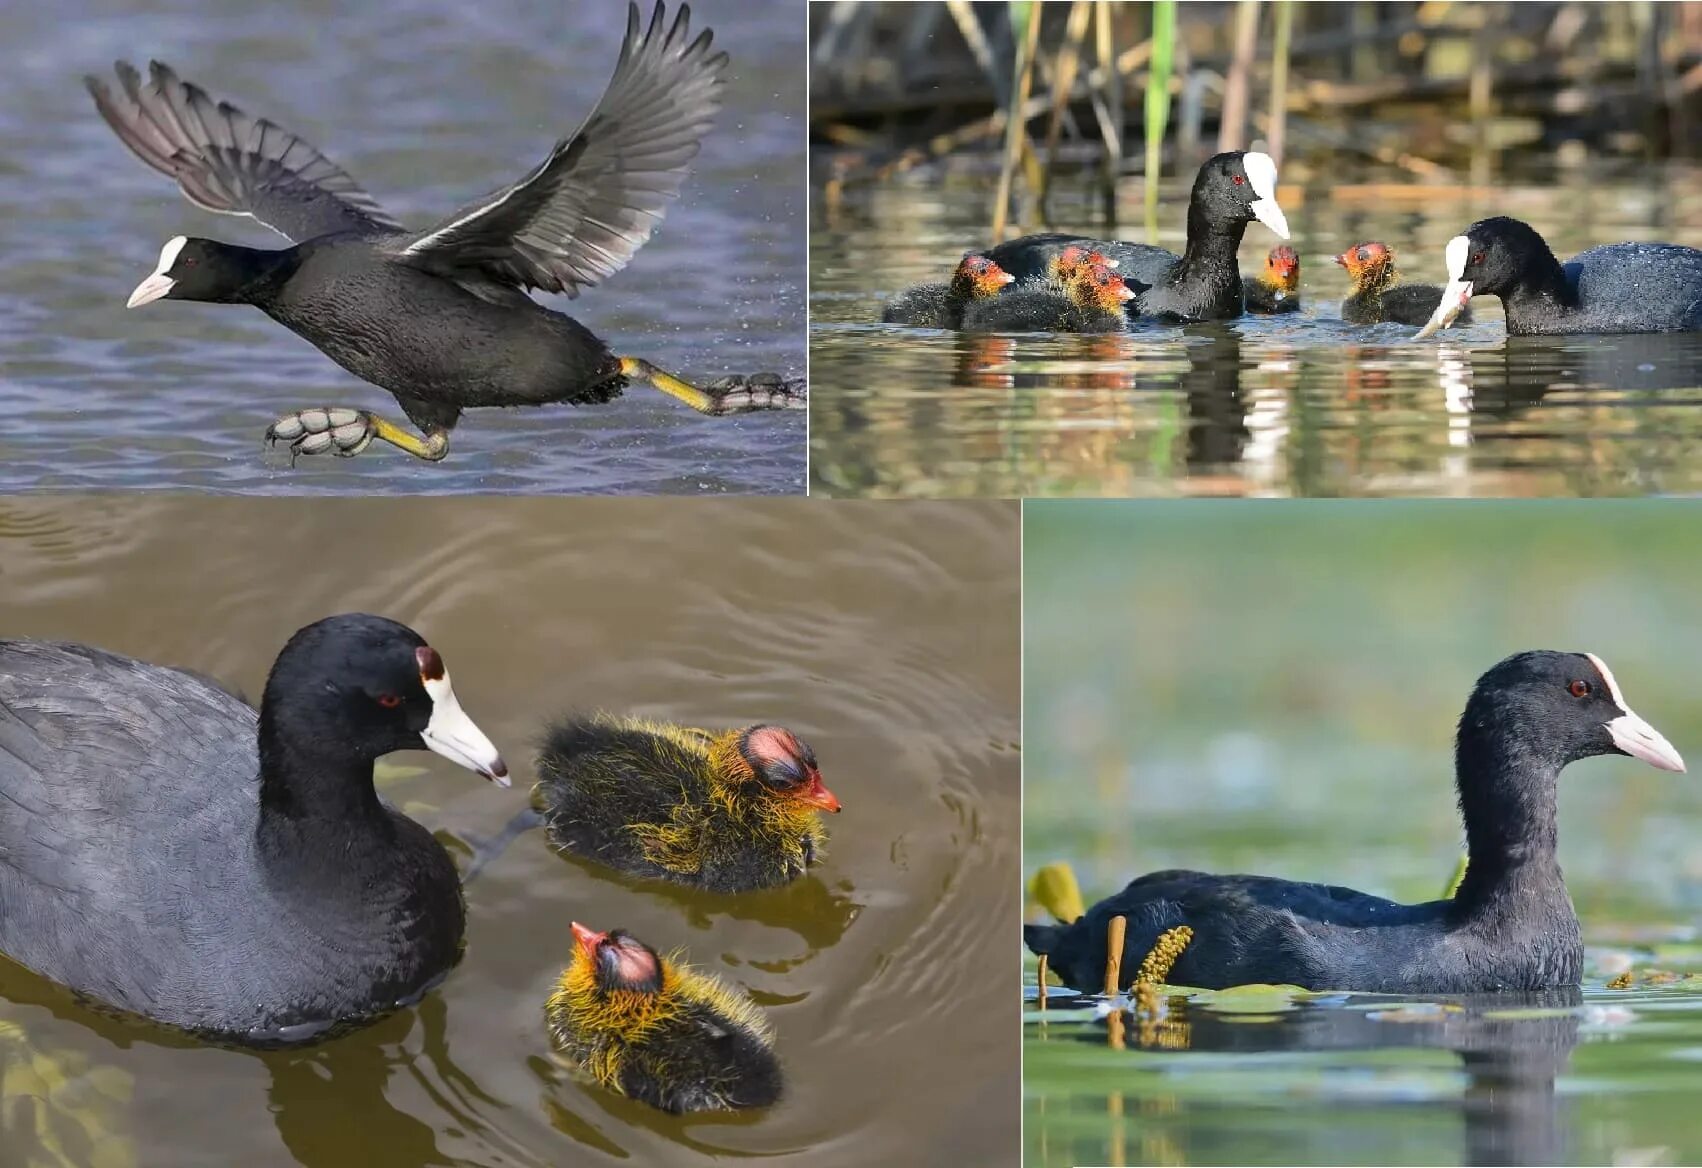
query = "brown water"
{"x": 1295, "y": 405}
{"x": 886, "y": 636}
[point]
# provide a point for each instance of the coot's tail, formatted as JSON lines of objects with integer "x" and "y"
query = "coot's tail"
{"x": 1042, "y": 939}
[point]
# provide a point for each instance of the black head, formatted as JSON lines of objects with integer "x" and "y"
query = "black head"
{"x": 1556, "y": 708}
{"x": 618, "y": 960}
{"x": 1498, "y": 256}
{"x": 786, "y": 766}
{"x": 1238, "y": 187}
{"x": 198, "y": 269}
{"x": 362, "y": 686}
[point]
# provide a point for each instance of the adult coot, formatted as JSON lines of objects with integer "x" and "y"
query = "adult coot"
{"x": 1081, "y": 297}
{"x": 439, "y": 317}
{"x": 1616, "y": 288}
{"x": 941, "y": 306}
{"x": 645, "y": 1026}
{"x": 1203, "y": 283}
{"x": 1277, "y": 288}
{"x": 728, "y": 811}
{"x": 1378, "y": 297}
{"x": 1509, "y": 927}
{"x": 167, "y": 850}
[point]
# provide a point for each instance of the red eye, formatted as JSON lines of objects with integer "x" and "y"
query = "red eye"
{"x": 1477, "y": 258}
{"x": 1239, "y": 180}
{"x": 1579, "y": 689}
{"x": 190, "y": 262}
{"x": 390, "y": 701}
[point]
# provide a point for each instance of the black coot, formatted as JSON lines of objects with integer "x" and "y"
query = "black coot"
{"x": 1204, "y": 282}
{"x": 1615, "y": 288}
{"x": 170, "y": 851}
{"x": 1509, "y": 927}
{"x": 439, "y": 317}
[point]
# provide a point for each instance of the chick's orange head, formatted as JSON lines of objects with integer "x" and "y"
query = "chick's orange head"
{"x": 984, "y": 277}
{"x": 1365, "y": 259}
{"x": 1099, "y": 285}
{"x": 1282, "y": 267}
{"x": 788, "y": 766}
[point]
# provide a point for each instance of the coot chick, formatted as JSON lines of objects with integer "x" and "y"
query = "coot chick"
{"x": 729, "y": 811}
{"x": 1204, "y": 282}
{"x": 1615, "y": 288}
{"x": 1377, "y": 297}
{"x": 439, "y": 317}
{"x": 1510, "y": 926}
{"x": 644, "y": 1026}
{"x": 1277, "y": 288}
{"x": 941, "y": 306}
{"x": 1082, "y": 298}
{"x": 170, "y": 851}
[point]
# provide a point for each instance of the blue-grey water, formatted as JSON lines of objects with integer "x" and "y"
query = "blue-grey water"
{"x": 429, "y": 105}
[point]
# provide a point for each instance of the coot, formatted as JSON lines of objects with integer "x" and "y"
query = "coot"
{"x": 1616, "y": 288}
{"x": 644, "y": 1026}
{"x": 170, "y": 851}
{"x": 1203, "y": 283}
{"x": 728, "y": 811}
{"x": 1277, "y": 288}
{"x": 439, "y": 317}
{"x": 1080, "y": 298}
{"x": 940, "y": 306}
{"x": 1510, "y": 926}
{"x": 1377, "y": 297}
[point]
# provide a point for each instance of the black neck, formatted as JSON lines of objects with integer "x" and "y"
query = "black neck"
{"x": 265, "y": 271}
{"x": 306, "y": 779}
{"x": 1211, "y": 243}
{"x": 1541, "y": 286}
{"x": 1510, "y": 808}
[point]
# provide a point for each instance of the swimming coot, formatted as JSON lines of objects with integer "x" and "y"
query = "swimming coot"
{"x": 644, "y": 1026}
{"x": 940, "y": 306}
{"x": 728, "y": 811}
{"x": 1377, "y": 297}
{"x": 1080, "y": 297}
{"x": 1510, "y": 926}
{"x": 1616, "y": 288}
{"x": 1203, "y": 283}
{"x": 1277, "y": 288}
{"x": 170, "y": 851}
{"x": 439, "y": 317}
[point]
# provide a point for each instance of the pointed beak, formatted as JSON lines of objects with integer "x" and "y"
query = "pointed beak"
{"x": 817, "y": 795}
{"x": 454, "y": 735}
{"x": 150, "y": 290}
{"x": 1267, "y": 212}
{"x": 1341, "y": 260}
{"x": 1006, "y": 278}
{"x": 1641, "y": 740}
{"x": 1454, "y": 298}
{"x": 1125, "y": 293}
{"x": 587, "y": 939}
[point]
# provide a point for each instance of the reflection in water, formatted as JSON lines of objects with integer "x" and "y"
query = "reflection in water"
{"x": 1302, "y": 404}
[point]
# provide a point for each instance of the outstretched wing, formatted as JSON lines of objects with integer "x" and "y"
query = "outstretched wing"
{"x": 226, "y": 161}
{"x": 579, "y": 216}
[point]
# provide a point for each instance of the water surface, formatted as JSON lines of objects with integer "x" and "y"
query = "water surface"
{"x": 875, "y": 970}
{"x": 1274, "y": 690}
{"x": 429, "y": 106}
{"x": 1295, "y": 405}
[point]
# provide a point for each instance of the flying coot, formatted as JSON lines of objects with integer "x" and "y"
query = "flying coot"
{"x": 168, "y": 850}
{"x": 1081, "y": 297}
{"x": 645, "y": 1026}
{"x": 1378, "y": 297}
{"x": 940, "y": 306}
{"x": 1277, "y": 288}
{"x": 1204, "y": 282}
{"x": 728, "y": 811}
{"x": 1615, "y": 288}
{"x": 1510, "y": 926}
{"x": 439, "y": 317}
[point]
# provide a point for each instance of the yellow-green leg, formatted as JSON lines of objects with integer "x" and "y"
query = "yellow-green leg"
{"x": 726, "y": 395}
{"x": 346, "y": 432}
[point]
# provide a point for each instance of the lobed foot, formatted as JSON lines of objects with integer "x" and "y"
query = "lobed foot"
{"x": 759, "y": 391}
{"x": 324, "y": 430}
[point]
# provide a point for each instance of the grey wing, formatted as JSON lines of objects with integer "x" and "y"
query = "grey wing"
{"x": 579, "y": 216}
{"x": 225, "y": 160}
